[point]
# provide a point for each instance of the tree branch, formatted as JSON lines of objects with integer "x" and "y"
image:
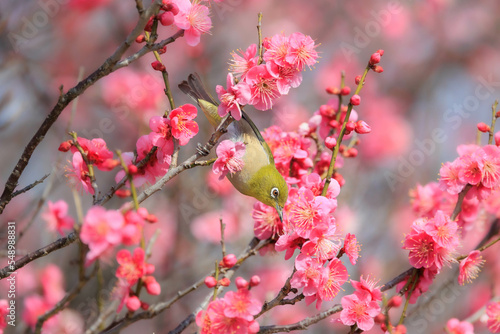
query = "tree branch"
{"x": 301, "y": 325}
{"x": 64, "y": 99}
{"x": 58, "y": 244}
{"x": 29, "y": 187}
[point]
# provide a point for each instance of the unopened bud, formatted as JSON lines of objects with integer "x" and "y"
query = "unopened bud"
{"x": 362, "y": 127}
{"x": 355, "y": 100}
{"x": 375, "y": 58}
{"x": 379, "y": 319}
{"x": 395, "y": 301}
{"x": 345, "y": 90}
{"x": 241, "y": 283}
{"x": 229, "y": 260}
{"x": 224, "y": 281}
{"x": 333, "y": 90}
{"x": 380, "y": 52}
{"x": 357, "y": 79}
{"x": 351, "y": 153}
{"x": 210, "y": 282}
{"x": 254, "y": 280}
{"x": 350, "y": 126}
{"x": 483, "y": 127}
{"x": 330, "y": 142}
{"x": 123, "y": 193}
{"x": 497, "y": 138}
{"x": 140, "y": 39}
{"x": 162, "y": 50}
{"x": 65, "y": 146}
{"x": 144, "y": 306}
{"x": 132, "y": 169}
{"x": 166, "y": 19}
{"x": 158, "y": 66}
{"x": 378, "y": 69}
{"x": 133, "y": 303}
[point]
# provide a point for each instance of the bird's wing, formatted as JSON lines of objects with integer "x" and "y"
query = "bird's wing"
{"x": 257, "y": 133}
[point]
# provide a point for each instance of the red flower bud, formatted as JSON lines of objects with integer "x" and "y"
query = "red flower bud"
{"x": 210, "y": 282}
{"x": 375, "y": 58}
{"x": 229, "y": 260}
{"x": 395, "y": 301}
{"x": 332, "y": 90}
{"x": 151, "y": 218}
{"x": 144, "y": 306}
{"x": 149, "y": 25}
{"x": 350, "y": 126}
{"x": 378, "y": 69}
{"x": 483, "y": 127}
{"x": 400, "y": 329}
{"x": 162, "y": 50}
{"x": 157, "y": 66}
{"x": 497, "y": 114}
{"x": 357, "y": 79}
{"x": 380, "y": 52}
{"x": 132, "y": 169}
{"x": 362, "y": 127}
{"x": 140, "y": 39}
{"x": 497, "y": 138}
{"x": 254, "y": 280}
{"x": 326, "y": 110}
{"x": 133, "y": 303}
{"x": 241, "y": 283}
{"x": 355, "y": 100}
{"x": 330, "y": 142}
{"x": 224, "y": 282}
{"x": 65, "y": 146}
{"x": 166, "y": 19}
{"x": 379, "y": 319}
{"x": 150, "y": 268}
{"x": 123, "y": 193}
{"x": 334, "y": 123}
{"x": 340, "y": 179}
{"x": 351, "y": 153}
{"x": 152, "y": 286}
{"x": 345, "y": 90}
{"x": 173, "y": 8}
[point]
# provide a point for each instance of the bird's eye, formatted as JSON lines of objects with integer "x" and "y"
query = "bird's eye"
{"x": 275, "y": 192}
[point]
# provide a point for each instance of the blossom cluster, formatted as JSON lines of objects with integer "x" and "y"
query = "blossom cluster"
{"x": 362, "y": 306}
{"x": 192, "y": 17}
{"x": 260, "y": 84}
{"x": 95, "y": 152}
{"x": 178, "y": 126}
{"x": 103, "y": 230}
{"x": 232, "y": 314}
{"x": 477, "y": 166}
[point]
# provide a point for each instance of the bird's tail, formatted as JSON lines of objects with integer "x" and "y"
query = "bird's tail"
{"x": 195, "y": 89}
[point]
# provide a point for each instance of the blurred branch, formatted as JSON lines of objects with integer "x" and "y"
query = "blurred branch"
{"x": 58, "y": 244}
{"x": 60, "y": 305}
{"x": 301, "y": 325}
{"x": 278, "y": 300}
{"x": 106, "y": 68}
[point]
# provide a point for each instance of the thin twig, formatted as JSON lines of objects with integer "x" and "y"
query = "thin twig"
{"x": 301, "y": 325}
{"x": 285, "y": 290}
{"x": 29, "y": 187}
{"x": 491, "y": 133}
{"x": 60, "y": 305}
{"x": 260, "y": 48}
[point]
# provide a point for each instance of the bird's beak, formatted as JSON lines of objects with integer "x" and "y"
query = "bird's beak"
{"x": 279, "y": 209}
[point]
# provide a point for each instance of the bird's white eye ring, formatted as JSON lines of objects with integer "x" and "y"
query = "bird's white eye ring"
{"x": 275, "y": 192}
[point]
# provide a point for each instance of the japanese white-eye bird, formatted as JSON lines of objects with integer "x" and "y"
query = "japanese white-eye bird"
{"x": 259, "y": 177}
